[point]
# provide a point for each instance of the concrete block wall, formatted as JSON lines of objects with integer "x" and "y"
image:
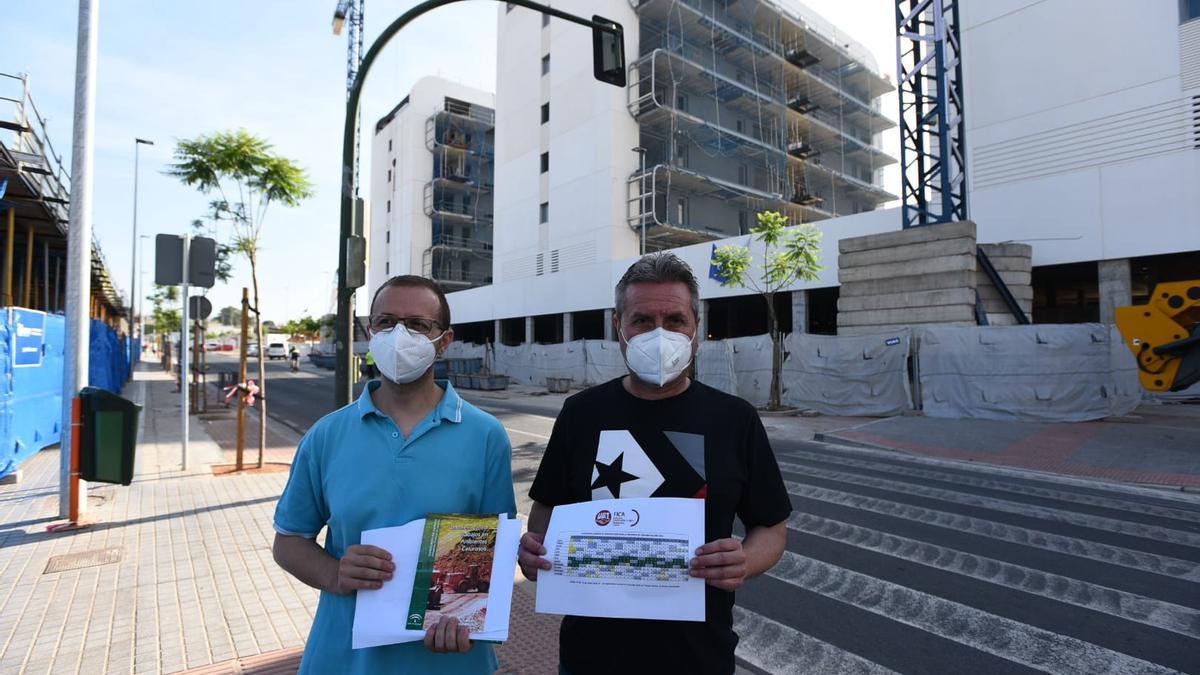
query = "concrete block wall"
{"x": 922, "y": 275}
{"x": 1014, "y": 264}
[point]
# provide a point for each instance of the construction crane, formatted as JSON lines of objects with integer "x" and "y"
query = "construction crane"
{"x": 933, "y": 147}
{"x": 351, "y": 12}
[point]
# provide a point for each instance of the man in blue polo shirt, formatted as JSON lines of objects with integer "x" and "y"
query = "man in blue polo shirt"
{"x": 408, "y": 447}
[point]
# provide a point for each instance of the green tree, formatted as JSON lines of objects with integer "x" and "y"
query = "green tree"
{"x": 247, "y": 176}
{"x": 789, "y": 255}
{"x": 166, "y": 319}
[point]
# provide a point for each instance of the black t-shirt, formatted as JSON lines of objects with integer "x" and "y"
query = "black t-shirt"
{"x": 608, "y": 444}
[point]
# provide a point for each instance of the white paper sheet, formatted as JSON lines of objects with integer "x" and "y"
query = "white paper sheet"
{"x": 624, "y": 558}
{"x": 379, "y": 615}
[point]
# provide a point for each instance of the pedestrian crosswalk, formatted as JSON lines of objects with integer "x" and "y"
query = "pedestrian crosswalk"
{"x": 905, "y": 564}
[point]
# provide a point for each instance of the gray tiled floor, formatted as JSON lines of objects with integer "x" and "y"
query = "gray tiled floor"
{"x": 195, "y": 584}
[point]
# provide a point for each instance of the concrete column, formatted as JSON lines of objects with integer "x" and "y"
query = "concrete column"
{"x": 609, "y": 333}
{"x": 799, "y": 311}
{"x": 1116, "y": 287}
{"x": 529, "y": 330}
{"x": 702, "y": 329}
{"x": 499, "y": 332}
{"x": 568, "y": 328}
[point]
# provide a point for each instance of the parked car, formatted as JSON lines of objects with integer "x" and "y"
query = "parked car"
{"x": 252, "y": 350}
{"x": 276, "y": 350}
{"x": 212, "y": 346}
{"x": 227, "y": 347}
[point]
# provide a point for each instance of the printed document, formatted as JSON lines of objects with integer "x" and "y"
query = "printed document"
{"x": 446, "y": 565}
{"x": 625, "y": 559}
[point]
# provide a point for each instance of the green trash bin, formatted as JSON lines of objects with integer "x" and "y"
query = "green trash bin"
{"x": 109, "y": 437}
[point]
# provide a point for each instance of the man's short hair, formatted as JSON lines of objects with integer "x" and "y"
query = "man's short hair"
{"x": 659, "y": 268}
{"x": 414, "y": 281}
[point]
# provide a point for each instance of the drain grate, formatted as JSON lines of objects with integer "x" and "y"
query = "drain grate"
{"x": 75, "y": 561}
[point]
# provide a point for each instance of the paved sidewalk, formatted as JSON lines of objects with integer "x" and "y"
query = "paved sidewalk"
{"x": 195, "y": 582}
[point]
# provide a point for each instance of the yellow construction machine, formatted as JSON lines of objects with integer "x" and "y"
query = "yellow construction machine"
{"x": 1164, "y": 335}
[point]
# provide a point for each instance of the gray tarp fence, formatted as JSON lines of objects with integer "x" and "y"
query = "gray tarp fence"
{"x": 851, "y": 375}
{"x": 1041, "y": 372}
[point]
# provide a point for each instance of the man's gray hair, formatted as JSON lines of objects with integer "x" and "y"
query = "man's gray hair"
{"x": 659, "y": 268}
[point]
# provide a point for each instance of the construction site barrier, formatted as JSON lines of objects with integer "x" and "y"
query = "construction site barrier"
{"x": 31, "y": 378}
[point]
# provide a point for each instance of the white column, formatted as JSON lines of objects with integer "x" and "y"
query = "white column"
{"x": 609, "y": 333}
{"x": 1116, "y": 287}
{"x": 568, "y": 327}
{"x": 799, "y": 311}
{"x": 529, "y": 330}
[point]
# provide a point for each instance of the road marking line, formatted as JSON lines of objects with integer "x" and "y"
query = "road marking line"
{"x": 1067, "y": 590}
{"x": 777, "y": 648}
{"x": 990, "y": 633}
{"x": 1127, "y": 528}
{"x": 1083, "y": 548}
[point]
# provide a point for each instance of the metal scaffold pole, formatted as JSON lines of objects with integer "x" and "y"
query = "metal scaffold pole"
{"x": 79, "y": 245}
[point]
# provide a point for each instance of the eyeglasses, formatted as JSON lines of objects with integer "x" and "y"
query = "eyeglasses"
{"x": 414, "y": 324}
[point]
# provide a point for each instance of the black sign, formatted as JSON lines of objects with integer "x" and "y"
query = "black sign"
{"x": 168, "y": 261}
{"x": 199, "y": 307}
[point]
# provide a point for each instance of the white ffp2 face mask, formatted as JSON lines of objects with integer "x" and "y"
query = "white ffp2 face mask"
{"x": 659, "y": 356}
{"x": 402, "y": 356}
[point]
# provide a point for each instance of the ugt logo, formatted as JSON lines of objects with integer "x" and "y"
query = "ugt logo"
{"x": 604, "y": 517}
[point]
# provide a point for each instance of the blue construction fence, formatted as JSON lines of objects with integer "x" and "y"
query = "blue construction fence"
{"x": 31, "y": 374}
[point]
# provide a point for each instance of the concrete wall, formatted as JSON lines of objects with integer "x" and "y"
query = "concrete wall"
{"x": 923, "y": 275}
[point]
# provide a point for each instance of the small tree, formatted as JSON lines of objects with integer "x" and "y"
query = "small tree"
{"x": 789, "y": 255}
{"x": 238, "y": 164}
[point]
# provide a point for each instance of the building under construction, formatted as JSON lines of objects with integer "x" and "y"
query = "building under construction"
{"x": 33, "y": 209}
{"x": 432, "y": 183}
{"x": 750, "y": 106}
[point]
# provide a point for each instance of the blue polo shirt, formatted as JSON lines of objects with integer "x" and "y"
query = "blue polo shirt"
{"x": 355, "y": 471}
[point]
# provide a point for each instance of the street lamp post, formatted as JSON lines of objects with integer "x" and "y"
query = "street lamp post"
{"x": 642, "y": 193}
{"x": 133, "y": 282}
{"x": 608, "y": 51}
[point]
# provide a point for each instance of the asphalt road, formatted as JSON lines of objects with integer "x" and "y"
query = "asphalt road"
{"x": 904, "y": 564}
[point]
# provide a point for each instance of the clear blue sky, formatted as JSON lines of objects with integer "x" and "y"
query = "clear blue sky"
{"x": 174, "y": 70}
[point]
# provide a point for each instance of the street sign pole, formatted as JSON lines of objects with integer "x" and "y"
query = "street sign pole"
{"x": 185, "y": 329}
{"x": 79, "y": 249}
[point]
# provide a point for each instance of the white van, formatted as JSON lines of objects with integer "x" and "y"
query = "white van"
{"x": 276, "y": 350}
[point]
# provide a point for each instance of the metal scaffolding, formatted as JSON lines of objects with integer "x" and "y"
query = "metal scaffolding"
{"x": 33, "y": 213}
{"x": 748, "y": 106}
{"x": 458, "y": 197}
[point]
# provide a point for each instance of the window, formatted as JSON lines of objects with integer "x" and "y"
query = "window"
{"x": 681, "y": 102}
{"x": 466, "y": 270}
{"x": 681, "y": 154}
{"x": 545, "y": 20}
{"x": 545, "y": 162}
{"x": 545, "y": 113}
{"x": 546, "y": 64}
{"x": 741, "y": 126}
{"x": 1188, "y": 10}
{"x": 544, "y": 213}
{"x": 682, "y": 211}
{"x": 742, "y": 219}
{"x": 743, "y": 174}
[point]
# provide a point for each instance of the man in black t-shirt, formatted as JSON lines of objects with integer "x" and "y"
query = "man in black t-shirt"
{"x": 658, "y": 433}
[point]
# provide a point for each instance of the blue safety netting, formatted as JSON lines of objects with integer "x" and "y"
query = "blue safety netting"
{"x": 31, "y": 405}
{"x": 108, "y": 365}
